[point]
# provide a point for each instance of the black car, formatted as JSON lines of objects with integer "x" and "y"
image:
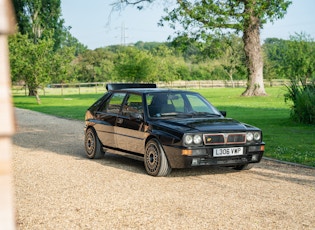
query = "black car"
{"x": 168, "y": 128}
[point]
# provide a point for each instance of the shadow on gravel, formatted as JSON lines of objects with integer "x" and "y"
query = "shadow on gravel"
{"x": 136, "y": 166}
{"x": 268, "y": 171}
{"x": 284, "y": 172}
{"x": 68, "y": 142}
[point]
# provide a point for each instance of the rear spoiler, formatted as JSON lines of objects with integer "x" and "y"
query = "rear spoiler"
{"x": 116, "y": 86}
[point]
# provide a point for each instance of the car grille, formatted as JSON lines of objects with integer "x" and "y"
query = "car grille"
{"x": 224, "y": 138}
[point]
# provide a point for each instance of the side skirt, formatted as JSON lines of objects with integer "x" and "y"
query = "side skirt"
{"x": 132, "y": 155}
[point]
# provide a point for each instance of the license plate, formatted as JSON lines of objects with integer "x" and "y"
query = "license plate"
{"x": 223, "y": 152}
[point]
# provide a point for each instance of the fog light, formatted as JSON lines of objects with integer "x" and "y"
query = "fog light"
{"x": 195, "y": 161}
{"x": 255, "y": 157}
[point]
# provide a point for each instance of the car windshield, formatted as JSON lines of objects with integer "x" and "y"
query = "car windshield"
{"x": 179, "y": 104}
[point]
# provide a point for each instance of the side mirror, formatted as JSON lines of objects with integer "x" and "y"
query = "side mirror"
{"x": 223, "y": 113}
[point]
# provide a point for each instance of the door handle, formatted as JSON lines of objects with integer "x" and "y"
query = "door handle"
{"x": 120, "y": 120}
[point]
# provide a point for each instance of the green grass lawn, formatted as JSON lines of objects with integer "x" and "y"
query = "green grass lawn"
{"x": 285, "y": 139}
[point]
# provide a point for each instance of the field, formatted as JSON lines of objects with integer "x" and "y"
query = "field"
{"x": 285, "y": 139}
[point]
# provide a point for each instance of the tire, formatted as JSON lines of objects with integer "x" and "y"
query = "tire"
{"x": 244, "y": 167}
{"x": 92, "y": 144}
{"x": 155, "y": 161}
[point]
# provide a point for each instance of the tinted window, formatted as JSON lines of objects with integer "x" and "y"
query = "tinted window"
{"x": 197, "y": 104}
{"x": 133, "y": 105}
{"x": 162, "y": 103}
{"x": 114, "y": 103}
{"x": 168, "y": 103}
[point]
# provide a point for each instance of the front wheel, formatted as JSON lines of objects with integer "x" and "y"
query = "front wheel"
{"x": 92, "y": 144}
{"x": 155, "y": 161}
{"x": 244, "y": 167}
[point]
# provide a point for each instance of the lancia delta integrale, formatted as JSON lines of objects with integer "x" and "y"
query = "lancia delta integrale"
{"x": 168, "y": 129}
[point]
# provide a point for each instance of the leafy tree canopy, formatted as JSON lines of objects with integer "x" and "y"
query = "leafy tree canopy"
{"x": 201, "y": 19}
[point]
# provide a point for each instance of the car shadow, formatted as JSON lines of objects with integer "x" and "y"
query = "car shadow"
{"x": 65, "y": 137}
{"x": 137, "y": 166}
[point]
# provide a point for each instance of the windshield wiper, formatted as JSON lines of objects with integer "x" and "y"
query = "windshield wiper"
{"x": 168, "y": 114}
{"x": 206, "y": 114}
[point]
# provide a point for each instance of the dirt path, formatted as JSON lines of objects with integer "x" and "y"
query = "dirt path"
{"x": 57, "y": 187}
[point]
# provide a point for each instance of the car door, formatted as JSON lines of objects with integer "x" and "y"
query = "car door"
{"x": 130, "y": 125}
{"x": 107, "y": 115}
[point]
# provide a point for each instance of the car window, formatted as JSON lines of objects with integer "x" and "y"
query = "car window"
{"x": 133, "y": 105}
{"x": 162, "y": 103}
{"x": 199, "y": 105}
{"x": 177, "y": 103}
{"x": 114, "y": 103}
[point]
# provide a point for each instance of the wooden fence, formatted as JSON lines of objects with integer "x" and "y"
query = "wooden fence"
{"x": 99, "y": 87}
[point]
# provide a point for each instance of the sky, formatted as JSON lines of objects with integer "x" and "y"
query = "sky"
{"x": 95, "y": 25}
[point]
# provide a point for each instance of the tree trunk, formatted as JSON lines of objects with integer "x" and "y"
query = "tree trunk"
{"x": 254, "y": 60}
{"x": 34, "y": 92}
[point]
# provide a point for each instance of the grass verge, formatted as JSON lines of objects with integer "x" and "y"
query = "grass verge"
{"x": 285, "y": 139}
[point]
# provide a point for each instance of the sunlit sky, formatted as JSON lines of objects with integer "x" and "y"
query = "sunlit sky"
{"x": 93, "y": 24}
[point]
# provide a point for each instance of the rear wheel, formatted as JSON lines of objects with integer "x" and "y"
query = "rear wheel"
{"x": 93, "y": 147}
{"x": 155, "y": 161}
{"x": 244, "y": 167}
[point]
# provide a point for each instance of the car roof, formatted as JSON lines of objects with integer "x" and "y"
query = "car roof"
{"x": 150, "y": 90}
{"x": 141, "y": 88}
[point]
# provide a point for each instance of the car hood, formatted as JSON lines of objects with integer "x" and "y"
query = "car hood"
{"x": 205, "y": 125}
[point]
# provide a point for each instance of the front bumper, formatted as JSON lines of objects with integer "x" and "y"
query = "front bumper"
{"x": 178, "y": 157}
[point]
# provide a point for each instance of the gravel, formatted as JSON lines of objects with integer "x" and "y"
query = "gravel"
{"x": 57, "y": 187}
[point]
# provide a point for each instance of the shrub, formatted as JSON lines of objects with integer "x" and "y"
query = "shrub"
{"x": 302, "y": 95}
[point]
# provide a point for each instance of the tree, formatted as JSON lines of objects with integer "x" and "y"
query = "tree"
{"x": 201, "y": 18}
{"x": 300, "y": 57}
{"x": 94, "y": 65}
{"x": 294, "y": 58}
{"x": 39, "y": 18}
{"x": 134, "y": 65}
{"x": 170, "y": 67}
{"x": 274, "y": 50}
{"x": 232, "y": 58}
{"x": 43, "y": 49}
{"x": 38, "y": 64}
{"x": 30, "y": 62}
{"x": 69, "y": 41}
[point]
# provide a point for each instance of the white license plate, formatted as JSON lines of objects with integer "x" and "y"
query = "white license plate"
{"x": 223, "y": 152}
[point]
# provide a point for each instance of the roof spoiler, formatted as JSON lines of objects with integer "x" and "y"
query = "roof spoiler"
{"x": 116, "y": 86}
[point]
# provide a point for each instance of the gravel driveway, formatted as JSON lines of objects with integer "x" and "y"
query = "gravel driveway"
{"x": 57, "y": 187}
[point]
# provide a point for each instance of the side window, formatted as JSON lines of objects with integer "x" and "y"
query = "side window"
{"x": 114, "y": 103}
{"x": 133, "y": 105}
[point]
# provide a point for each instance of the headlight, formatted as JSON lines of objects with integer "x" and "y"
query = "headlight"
{"x": 193, "y": 139}
{"x": 197, "y": 139}
{"x": 188, "y": 139}
{"x": 249, "y": 136}
{"x": 257, "y": 136}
